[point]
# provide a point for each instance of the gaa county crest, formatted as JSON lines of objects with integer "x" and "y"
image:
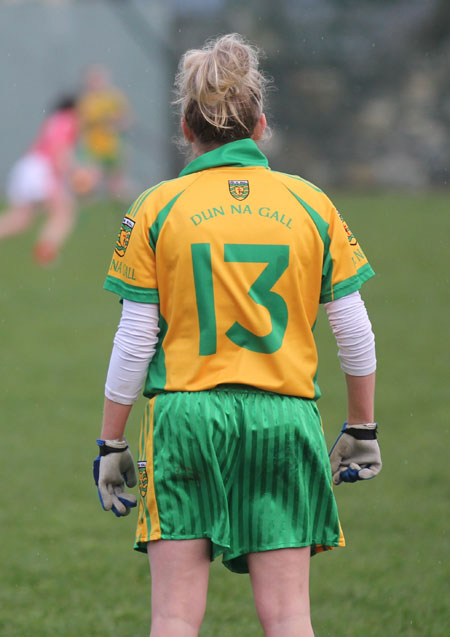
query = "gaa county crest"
{"x": 351, "y": 237}
{"x": 123, "y": 238}
{"x": 143, "y": 478}
{"x": 239, "y": 189}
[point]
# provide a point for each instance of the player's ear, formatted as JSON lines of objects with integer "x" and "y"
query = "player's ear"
{"x": 187, "y": 132}
{"x": 260, "y": 127}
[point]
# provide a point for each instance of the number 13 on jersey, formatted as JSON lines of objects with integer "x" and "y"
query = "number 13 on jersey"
{"x": 277, "y": 259}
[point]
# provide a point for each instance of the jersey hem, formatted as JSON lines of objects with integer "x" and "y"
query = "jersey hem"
{"x": 231, "y": 387}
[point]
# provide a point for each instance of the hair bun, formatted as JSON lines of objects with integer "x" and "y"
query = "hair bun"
{"x": 223, "y": 80}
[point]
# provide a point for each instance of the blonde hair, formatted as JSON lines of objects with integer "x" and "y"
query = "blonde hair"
{"x": 220, "y": 89}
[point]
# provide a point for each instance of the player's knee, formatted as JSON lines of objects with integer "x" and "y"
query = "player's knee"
{"x": 284, "y": 612}
{"x": 287, "y": 625}
{"x": 175, "y": 624}
{"x": 184, "y": 614}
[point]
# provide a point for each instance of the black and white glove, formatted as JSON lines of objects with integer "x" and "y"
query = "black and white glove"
{"x": 114, "y": 467}
{"x": 355, "y": 455}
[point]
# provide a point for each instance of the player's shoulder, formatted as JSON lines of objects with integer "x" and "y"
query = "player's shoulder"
{"x": 167, "y": 189}
{"x": 306, "y": 192}
{"x": 154, "y": 199}
{"x": 295, "y": 181}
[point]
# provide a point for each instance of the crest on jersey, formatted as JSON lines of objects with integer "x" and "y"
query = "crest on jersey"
{"x": 239, "y": 189}
{"x": 123, "y": 238}
{"x": 143, "y": 478}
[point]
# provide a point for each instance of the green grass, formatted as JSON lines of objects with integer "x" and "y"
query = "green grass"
{"x": 67, "y": 568}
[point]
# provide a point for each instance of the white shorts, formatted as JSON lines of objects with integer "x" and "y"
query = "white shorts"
{"x": 31, "y": 180}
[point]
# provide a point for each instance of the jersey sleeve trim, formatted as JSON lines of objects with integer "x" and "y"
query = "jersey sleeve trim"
{"x": 348, "y": 286}
{"x": 131, "y": 292}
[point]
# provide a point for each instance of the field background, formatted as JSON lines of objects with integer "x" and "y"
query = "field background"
{"x": 67, "y": 568}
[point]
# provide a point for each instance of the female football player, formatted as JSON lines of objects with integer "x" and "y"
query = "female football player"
{"x": 105, "y": 116}
{"x": 41, "y": 178}
{"x": 221, "y": 271}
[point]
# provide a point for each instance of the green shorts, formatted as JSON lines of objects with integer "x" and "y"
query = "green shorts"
{"x": 247, "y": 469}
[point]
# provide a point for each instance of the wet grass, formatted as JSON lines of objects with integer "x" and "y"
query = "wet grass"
{"x": 68, "y": 568}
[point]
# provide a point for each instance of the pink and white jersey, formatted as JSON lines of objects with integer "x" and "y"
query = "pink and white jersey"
{"x": 57, "y": 135}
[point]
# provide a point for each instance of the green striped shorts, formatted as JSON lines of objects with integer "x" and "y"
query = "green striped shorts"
{"x": 247, "y": 469}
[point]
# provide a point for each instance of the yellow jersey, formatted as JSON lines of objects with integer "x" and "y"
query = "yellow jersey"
{"x": 101, "y": 113}
{"x": 239, "y": 257}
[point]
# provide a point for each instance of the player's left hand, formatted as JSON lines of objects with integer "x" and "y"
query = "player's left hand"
{"x": 114, "y": 467}
{"x": 355, "y": 455}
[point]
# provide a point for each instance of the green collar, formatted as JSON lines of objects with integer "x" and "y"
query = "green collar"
{"x": 243, "y": 152}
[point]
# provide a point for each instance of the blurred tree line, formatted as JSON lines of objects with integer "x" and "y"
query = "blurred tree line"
{"x": 362, "y": 90}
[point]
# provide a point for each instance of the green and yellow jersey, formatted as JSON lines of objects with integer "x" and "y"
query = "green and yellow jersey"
{"x": 239, "y": 257}
{"x": 101, "y": 113}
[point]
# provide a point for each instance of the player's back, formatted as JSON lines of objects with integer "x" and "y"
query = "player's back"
{"x": 239, "y": 268}
{"x": 239, "y": 258}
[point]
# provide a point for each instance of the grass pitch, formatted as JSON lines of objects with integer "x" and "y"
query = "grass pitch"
{"x": 67, "y": 567}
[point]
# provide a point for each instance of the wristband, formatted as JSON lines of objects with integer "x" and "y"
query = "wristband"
{"x": 109, "y": 446}
{"x": 361, "y": 434}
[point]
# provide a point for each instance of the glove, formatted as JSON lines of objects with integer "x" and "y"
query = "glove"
{"x": 113, "y": 467}
{"x": 355, "y": 455}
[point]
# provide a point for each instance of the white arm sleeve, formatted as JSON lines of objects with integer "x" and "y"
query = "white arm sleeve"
{"x": 354, "y": 336}
{"x": 134, "y": 346}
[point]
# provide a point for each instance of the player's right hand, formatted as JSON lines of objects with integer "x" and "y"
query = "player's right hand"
{"x": 113, "y": 468}
{"x": 355, "y": 455}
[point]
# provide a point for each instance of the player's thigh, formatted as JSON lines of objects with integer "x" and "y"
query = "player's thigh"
{"x": 180, "y": 573}
{"x": 280, "y": 581}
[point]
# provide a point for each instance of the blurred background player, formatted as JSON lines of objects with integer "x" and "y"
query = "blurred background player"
{"x": 42, "y": 178}
{"x": 105, "y": 116}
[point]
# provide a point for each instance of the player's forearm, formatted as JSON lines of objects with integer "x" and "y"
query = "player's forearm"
{"x": 134, "y": 346}
{"x": 115, "y": 418}
{"x": 361, "y": 398}
{"x": 354, "y": 336}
